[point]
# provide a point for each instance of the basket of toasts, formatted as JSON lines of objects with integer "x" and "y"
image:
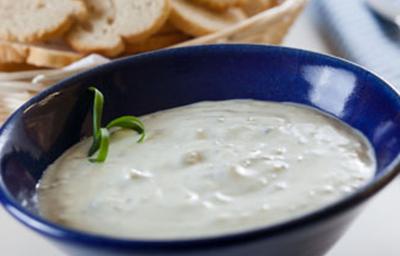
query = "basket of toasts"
{"x": 43, "y": 41}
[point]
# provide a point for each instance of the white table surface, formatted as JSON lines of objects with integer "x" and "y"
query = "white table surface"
{"x": 375, "y": 233}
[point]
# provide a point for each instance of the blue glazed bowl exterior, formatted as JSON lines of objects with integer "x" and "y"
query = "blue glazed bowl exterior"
{"x": 37, "y": 133}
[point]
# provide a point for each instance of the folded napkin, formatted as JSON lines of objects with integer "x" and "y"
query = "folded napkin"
{"x": 359, "y": 35}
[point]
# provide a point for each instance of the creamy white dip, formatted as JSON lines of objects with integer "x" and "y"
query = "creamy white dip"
{"x": 207, "y": 169}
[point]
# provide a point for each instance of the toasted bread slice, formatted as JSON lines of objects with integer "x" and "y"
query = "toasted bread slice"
{"x": 37, "y": 20}
{"x": 220, "y": 5}
{"x": 111, "y": 22}
{"x": 51, "y": 57}
{"x": 252, "y": 7}
{"x": 167, "y": 28}
{"x": 197, "y": 20}
{"x": 155, "y": 42}
{"x": 13, "y": 52}
{"x": 14, "y": 67}
{"x": 40, "y": 55}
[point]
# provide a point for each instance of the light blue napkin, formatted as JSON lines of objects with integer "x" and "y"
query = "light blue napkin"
{"x": 361, "y": 36}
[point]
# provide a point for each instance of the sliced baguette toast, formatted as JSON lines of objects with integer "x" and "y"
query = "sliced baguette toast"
{"x": 112, "y": 22}
{"x": 39, "y": 55}
{"x": 38, "y": 20}
{"x": 14, "y": 67}
{"x": 220, "y": 5}
{"x": 252, "y": 7}
{"x": 197, "y": 20}
{"x": 155, "y": 42}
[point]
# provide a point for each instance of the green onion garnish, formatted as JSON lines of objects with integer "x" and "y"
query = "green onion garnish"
{"x": 129, "y": 122}
{"x": 101, "y": 134}
{"x": 98, "y": 103}
{"x": 104, "y": 138}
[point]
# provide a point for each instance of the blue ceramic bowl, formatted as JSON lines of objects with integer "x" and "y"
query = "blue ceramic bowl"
{"x": 36, "y": 134}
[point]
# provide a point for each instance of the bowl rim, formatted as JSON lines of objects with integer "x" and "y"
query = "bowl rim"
{"x": 65, "y": 234}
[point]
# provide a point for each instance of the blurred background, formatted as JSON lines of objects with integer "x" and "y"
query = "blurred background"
{"x": 364, "y": 31}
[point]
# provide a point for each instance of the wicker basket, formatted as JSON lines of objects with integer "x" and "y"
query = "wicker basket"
{"x": 268, "y": 27}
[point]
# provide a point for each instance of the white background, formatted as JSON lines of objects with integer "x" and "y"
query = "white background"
{"x": 375, "y": 233}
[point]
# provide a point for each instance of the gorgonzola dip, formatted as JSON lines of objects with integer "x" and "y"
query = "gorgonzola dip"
{"x": 207, "y": 169}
